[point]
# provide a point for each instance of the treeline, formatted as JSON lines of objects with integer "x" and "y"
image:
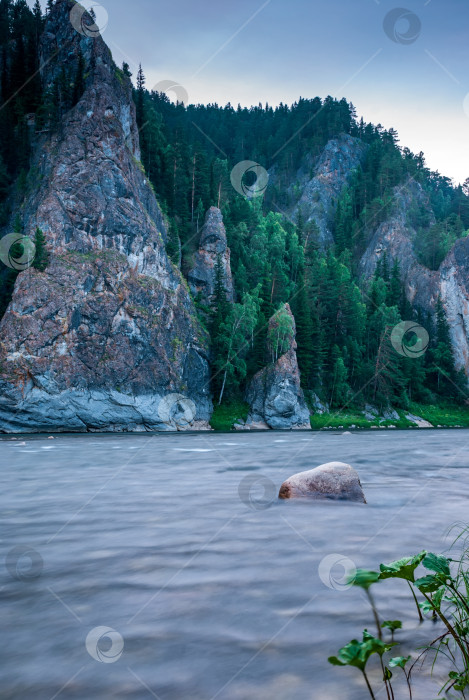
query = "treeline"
{"x": 344, "y": 345}
{"x": 188, "y": 154}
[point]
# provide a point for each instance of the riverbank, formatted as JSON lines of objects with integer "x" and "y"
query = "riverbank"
{"x": 449, "y": 416}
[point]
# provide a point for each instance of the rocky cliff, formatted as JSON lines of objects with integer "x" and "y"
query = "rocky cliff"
{"x": 395, "y": 237}
{"x": 319, "y": 184}
{"x": 213, "y": 247}
{"x": 274, "y": 395}
{"x": 106, "y": 338}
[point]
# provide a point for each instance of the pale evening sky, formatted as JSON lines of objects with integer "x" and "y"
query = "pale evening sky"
{"x": 413, "y": 78}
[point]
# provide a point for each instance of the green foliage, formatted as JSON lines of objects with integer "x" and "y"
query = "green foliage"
{"x": 434, "y": 242}
{"x": 224, "y": 416}
{"x": 232, "y": 332}
{"x": 343, "y": 329}
{"x": 365, "y": 578}
{"x": 357, "y": 653}
{"x": 280, "y": 334}
{"x": 445, "y": 596}
{"x": 402, "y": 568}
{"x": 41, "y": 258}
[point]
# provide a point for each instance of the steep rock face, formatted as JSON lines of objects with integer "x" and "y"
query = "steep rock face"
{"x": 319, "y": 194}
{"x": 395, "y": 237}
{"x": 212, "y": 247}
{"x": 107, "y": 334}
{"x": 275, "y": 396}
{"x": 454, "y": 290}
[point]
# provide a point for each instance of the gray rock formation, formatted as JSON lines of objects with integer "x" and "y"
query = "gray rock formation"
{"x": 107, "y": 336}
{"x": 454, "y": 289}
{"x": 212, "y": 246}
{"x": 395, "y": 237}
{"x": 333, "y": 481}
{"x": 320, "y": 407}
{"x": 274, "y": 395}
{"x": 419, "y": 422}
{"x": 319, "y": 194}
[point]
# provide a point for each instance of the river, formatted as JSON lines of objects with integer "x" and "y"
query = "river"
{"x": 212, "y": 588}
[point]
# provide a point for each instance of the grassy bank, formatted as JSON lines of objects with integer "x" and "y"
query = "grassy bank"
{"x": 226, "y": 415}
{"x": 447, "y": 416}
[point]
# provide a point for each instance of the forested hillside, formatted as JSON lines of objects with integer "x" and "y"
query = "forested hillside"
{"x": 343, "y": 325}
{"x": 188, "y": 152}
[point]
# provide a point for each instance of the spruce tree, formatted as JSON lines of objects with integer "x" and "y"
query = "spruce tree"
{"x": 140, "y": 101}
{"x": 41, "y": 257}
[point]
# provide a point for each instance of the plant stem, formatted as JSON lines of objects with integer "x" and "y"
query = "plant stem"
{"x": 416, "y": 602}
{"x": 408, "y": 683}
{"x": 375, "y": 613}
{"x": 384, "y": 677}
{"x": 368, "y": 685}
{"x": 455, "y": 590}
{"x": 386, "y": 682}
{"x": 452, "y": 632}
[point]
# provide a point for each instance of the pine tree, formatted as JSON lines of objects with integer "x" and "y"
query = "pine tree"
{"x": 443, "y": 353}
{"x": 304, "y": 332}
{"x": 41, "y": 257}
{"x": 140, "y": 102}
{"x": 340, "y": 388}
{"x": 37, "y": 11}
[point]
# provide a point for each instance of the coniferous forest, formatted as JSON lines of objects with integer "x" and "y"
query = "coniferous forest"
{"x": 191, "y": 295}
{"x": 343, "y": 322}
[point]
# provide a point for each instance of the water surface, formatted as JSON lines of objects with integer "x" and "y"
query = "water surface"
{"x": 214, "y": 595}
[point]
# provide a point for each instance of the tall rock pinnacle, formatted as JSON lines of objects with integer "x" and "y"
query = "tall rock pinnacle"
{"x": 106, "y": 338}
{"x": 212, "y": 247}
{"x": 274, "y": 395}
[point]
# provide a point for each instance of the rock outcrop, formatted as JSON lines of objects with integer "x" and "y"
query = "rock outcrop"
{"x": 332, "y": 481}
{"x": 102, "y": 337}
{"x": 454, "y": 290}
{"x": 395, "y": 238}
{"x": 318, "y": 195}
{"x": 274, "y": 395}
{"x": 212, "y": 247}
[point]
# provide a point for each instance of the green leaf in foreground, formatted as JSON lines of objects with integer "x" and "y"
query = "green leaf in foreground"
{"x": 364, "y": 578}
{"x": 460, "y": 680}
{"x": 350, "y": 655}
{"x": 438, "y": 564}
{"x": 402, "y": 568}
{"x": 357, "y": 653}
{"x": 399, "y": 661}
{"x": 392, "y": 625}
{"x": 429, "y": 584}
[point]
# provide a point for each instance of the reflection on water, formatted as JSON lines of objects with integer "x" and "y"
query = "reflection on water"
{"x": 211, "y": 597}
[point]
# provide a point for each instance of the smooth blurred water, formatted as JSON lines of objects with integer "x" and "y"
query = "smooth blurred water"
{"x": 214, "y": 598}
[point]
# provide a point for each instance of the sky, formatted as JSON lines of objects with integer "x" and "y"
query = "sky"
{"x": 404, "y": 67}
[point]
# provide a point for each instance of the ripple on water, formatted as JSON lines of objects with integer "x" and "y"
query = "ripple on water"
{"x": 208, "y": 592}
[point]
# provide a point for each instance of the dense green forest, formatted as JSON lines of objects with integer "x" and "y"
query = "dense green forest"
{"x": 188, "y": 152}
{"x": 343, "y": 332}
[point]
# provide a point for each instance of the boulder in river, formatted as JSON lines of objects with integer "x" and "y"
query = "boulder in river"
{"x": 335, "y": 481}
